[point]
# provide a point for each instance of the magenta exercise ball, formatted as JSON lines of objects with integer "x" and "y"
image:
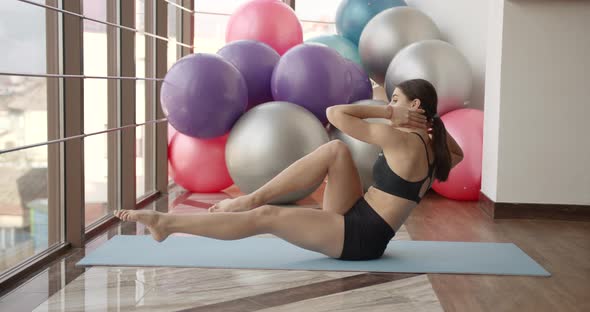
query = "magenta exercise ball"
{"x": 270, "y": 21}
{"x": 198, "y": 165}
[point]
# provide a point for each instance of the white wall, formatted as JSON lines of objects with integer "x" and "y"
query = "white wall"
{"x": 543, "y": 146}
{"x": 489, "y": 175}
{"x": 463, "y": 23}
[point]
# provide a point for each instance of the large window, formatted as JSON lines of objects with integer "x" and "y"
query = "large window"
{"x": 65, "y": 119}
{"x": 24, "y": 207}
{"x": 317, "y": 17}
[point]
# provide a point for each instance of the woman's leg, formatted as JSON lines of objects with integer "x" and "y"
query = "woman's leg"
{"x": 311, "y": 229}
{"x": 332, "y": 159}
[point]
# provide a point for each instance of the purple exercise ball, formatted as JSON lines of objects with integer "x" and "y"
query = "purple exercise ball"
{"x": 256, "y": 61}
{"x": 203, "y": 95}
{"x": 312, "y": 76}
{"x": 362, "y": 89}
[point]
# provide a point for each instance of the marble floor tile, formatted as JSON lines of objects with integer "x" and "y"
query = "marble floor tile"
{"x": 99, "y": 289}
{"x": 410, "y": 294}
{"x": 301, "y": 293}
{"x": 171, "y": 289}
{"x": 188, "y": 288}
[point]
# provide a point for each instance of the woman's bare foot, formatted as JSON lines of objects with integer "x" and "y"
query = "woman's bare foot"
{"x": 152, "y": 219}
{"x": 242, "y": 203}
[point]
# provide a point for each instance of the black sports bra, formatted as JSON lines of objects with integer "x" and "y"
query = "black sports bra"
{"x": 388, "y": 181}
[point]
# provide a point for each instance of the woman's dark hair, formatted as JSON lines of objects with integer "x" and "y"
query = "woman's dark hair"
{"x": 426, "y": 93}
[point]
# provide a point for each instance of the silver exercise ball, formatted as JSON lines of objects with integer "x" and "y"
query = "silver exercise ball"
{"x": 389, "y": 32}
{"x": 438, "y": 62}
{"x": 363, "y": 154}
{"x": 266, "y": 140}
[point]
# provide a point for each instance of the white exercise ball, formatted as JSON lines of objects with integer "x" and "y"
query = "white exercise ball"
{"x": 439, "y": 62}
{"x": 266, "y": 140}
{"x": 389, "y": 32}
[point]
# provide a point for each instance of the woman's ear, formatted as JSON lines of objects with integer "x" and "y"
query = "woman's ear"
{"x": 416, "y": 104}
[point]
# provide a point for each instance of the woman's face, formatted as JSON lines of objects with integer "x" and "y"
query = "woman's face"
{"x": 399, "y": 98}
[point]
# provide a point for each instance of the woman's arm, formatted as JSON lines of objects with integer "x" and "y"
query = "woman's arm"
{"x": 454, "y": 149}
{"x": 349, "y": 119}
{"x": 363, "y": 111}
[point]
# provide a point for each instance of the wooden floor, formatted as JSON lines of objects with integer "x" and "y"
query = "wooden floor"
{"x": 562, "y": 248}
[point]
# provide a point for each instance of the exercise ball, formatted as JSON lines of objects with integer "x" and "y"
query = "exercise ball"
{"x": 438, "y": 62}
{"x": 198, "y": 165}
{"x": 362, "y": 89}
{"x": 464, "y": 182}
{"x": 313, "y": 76}
{"x": 171, "y": 132}
{"x": 203, "y": 95}
{"x": 343, "y": 46}
{"x": 364, "y": 154}
{"x": 270, "y": 21}
{"x": 256, "y": 61}
{"x": 389, "y": 32}
{"x": 353, "y": 15}
{"x": 268, "y": 139}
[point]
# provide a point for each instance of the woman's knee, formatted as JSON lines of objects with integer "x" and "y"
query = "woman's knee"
{"x": 264, "y": 216}
{"x": 337, "y": 147}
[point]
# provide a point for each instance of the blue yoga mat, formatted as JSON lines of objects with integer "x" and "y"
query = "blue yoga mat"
{"x": 274, "y": 253}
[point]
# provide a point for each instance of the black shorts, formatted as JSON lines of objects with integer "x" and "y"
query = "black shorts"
{"x": 366, "y": 234}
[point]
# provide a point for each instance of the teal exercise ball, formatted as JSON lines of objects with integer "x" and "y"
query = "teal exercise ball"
{"x": 353, "y": 15}
{"x": 343, "y": 46}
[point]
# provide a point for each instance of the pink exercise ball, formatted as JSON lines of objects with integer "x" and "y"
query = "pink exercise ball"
{"x": 270, "y": 21}
{"x": 171, "y": 132}
{"x": 198, "y": 165}
{"x": 464, "y": 182}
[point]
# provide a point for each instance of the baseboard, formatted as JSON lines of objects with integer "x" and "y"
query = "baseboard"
{"x": 533, "y": 211}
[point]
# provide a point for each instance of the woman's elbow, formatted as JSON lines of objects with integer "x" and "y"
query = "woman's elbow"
{"x": 331, "y": 114}
{"x": 455, "y": 160}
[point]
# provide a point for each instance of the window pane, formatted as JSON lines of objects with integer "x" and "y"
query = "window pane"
{"x": 95, "y": 177}
{"x": 24, "y": 213}
{"x": 140, "y": 100}
{"x": 313, "y": 10}
{"x": 95, "y": 112}
{"x": 95, "y": 64}
{"x": 96, "y": 9}
{"x": 140, "y": 41}
{"x": 209, "y": 32}
{"x": 140, "y": 150}
{"x": 23, "y": 111}
{"x": 23, "y": 100}
{"x": 172, "y": 34}
{"x": 22, "y": 38}
{"x": 317, "y": 29}
{"x": 220, "y": 6}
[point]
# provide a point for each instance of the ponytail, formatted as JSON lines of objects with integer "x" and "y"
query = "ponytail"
{"x": 442, "y": 156}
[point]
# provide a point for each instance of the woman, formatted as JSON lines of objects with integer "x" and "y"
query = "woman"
{"x": 351, "y": 225}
